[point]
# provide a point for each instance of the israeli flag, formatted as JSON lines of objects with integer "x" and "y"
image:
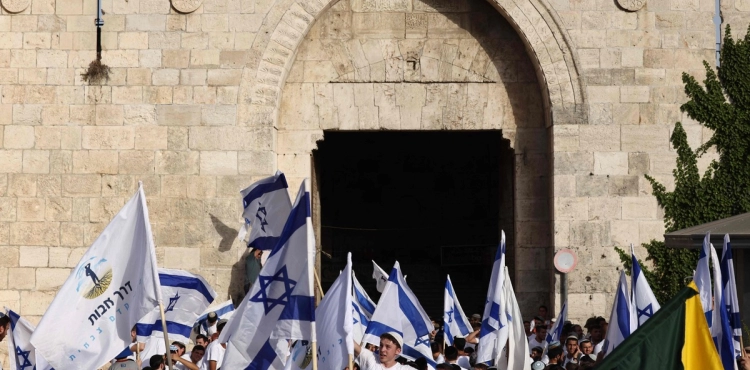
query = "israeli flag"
{"x": 721, "y": 332}
{"x": 362, "y": 309}
{"x": 115, "y": 284}
{"x": 399, "y": 311}
{"x": 702, "y": 278}
{"x": 185, "y": 295}
{"x": 334, "y": 319}
{"x": 518, "y": 343}
{"x": 281, "y": 305}
{"x": 266, "y": 207}
{"x": 494, "y": 331}
{"x": 644, "y": 301}
{"x": 730, "y": 295}
{"x": 555, "y": 333}
{"x": 381, "y": 278}
{"x": 223, "y": 311}
{"x": 622, "y": 319}
{"x": 21, "y": 353}
{"x": 455, "y": 322}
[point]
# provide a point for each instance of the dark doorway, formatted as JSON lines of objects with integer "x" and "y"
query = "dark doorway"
{"x": 435, "y": 201}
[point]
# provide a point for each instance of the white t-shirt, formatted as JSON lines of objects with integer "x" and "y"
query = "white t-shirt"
{"x": 210, "y": 331}
{"x": 367, "y": 361}
{"x": 439, "y": 360}
{"x": 463, "y": 361}
{"x": 153, "y": 346}
{"x": 598, "y": 348}
{"x": 214, "y": 352}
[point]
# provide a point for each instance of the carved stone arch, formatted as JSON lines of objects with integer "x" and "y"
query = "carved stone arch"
{"x": 287, "y": 23}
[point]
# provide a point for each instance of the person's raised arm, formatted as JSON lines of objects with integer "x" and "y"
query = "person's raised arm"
{"x": 357, "y": 349}
{"x": 186, "y": 363}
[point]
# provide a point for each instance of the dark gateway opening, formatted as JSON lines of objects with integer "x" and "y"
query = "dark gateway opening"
{"x": 435, "y": 201}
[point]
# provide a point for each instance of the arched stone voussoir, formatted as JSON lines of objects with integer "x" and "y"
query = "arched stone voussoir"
{"x": 289, "y": 21}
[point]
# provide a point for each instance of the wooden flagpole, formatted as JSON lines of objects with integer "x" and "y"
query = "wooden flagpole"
{"x": 351, "y": 363}
{"x": 315, "y": 355}
{"x": 166, "y": 335}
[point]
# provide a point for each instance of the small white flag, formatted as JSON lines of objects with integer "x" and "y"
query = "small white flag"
{"x": 334, "y": 322}
{"x": 381, "y": 278}
{"x": 111, "y": 288}
{"x": 266, "y": 206}
{"x": 455, "y": 322}
{"x": 518, "y": 344}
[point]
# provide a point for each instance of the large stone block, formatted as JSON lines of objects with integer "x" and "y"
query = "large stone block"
{"x": 18, "y": 137}
{"x": 231, "y": 138}
{"x": 51, "y": 278}
{"x": 218, "y": 163}
{"x": 95, "y": 161}
{"x": 610, "y": 163}
{"x": 88, "y": 186}
{"x": 175, "y": 115}
{"x": 21, "y": 278}
{"x": 645, "y": 138}
{"x": 30, "y": 209}
{"x": 178, "y": 163}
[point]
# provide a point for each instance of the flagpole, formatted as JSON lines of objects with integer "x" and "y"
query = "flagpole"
{"x": 166, "y": 334}
{"x": 351, "y": 363}
{"x": 315, "y": 355}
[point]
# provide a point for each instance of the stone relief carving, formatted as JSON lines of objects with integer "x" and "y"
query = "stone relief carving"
{"x": 186, "y": 6}
{"x": 15, "y": 6}
{"x": 631, "y": 5}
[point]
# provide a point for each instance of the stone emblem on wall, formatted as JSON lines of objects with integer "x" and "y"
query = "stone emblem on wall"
{"x": 631, "y": 5}
{"x": 15, "y": 6}
{"x": 186, "y": 6}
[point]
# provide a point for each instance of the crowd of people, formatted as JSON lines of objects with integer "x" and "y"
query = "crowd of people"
{"x": 579, "y": 348}
{"x": 206, "y": 354}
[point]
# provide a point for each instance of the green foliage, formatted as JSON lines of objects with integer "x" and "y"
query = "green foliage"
{"x": 721, "y": 104}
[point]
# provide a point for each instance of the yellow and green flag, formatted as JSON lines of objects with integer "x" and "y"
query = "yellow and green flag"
{"x": 676, "y": 337}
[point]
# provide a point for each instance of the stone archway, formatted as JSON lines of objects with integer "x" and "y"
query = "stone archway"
{"x": 288, "y": 22}
{"x": 356, "y": 76}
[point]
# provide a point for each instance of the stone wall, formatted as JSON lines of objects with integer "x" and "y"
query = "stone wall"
{"x": 192, "y": 108}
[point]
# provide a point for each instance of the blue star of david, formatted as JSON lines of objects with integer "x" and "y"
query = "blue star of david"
{"x": 425, "y": 339}
{"x": 450, "y": 315}
{"x": 354, "y": 316}
{"x": 262, "y": 218}
{"x": 648, "y": 311}
{"x": 173, "y": 302}
{"x": 23, "y": 358}
{"x": 265, "y": 283}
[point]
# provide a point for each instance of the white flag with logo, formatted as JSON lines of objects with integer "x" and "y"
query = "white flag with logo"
{"x": 185, "y": 295}
{"x": 18, "y": 344}
{"x": 266, "y": 206}
{"x": 112, "y": 287}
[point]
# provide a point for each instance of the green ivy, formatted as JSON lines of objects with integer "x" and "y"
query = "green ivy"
{"x": 721, "y": 104}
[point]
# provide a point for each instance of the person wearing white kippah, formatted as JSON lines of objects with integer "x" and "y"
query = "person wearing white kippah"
{"x": 390, "y": 349}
